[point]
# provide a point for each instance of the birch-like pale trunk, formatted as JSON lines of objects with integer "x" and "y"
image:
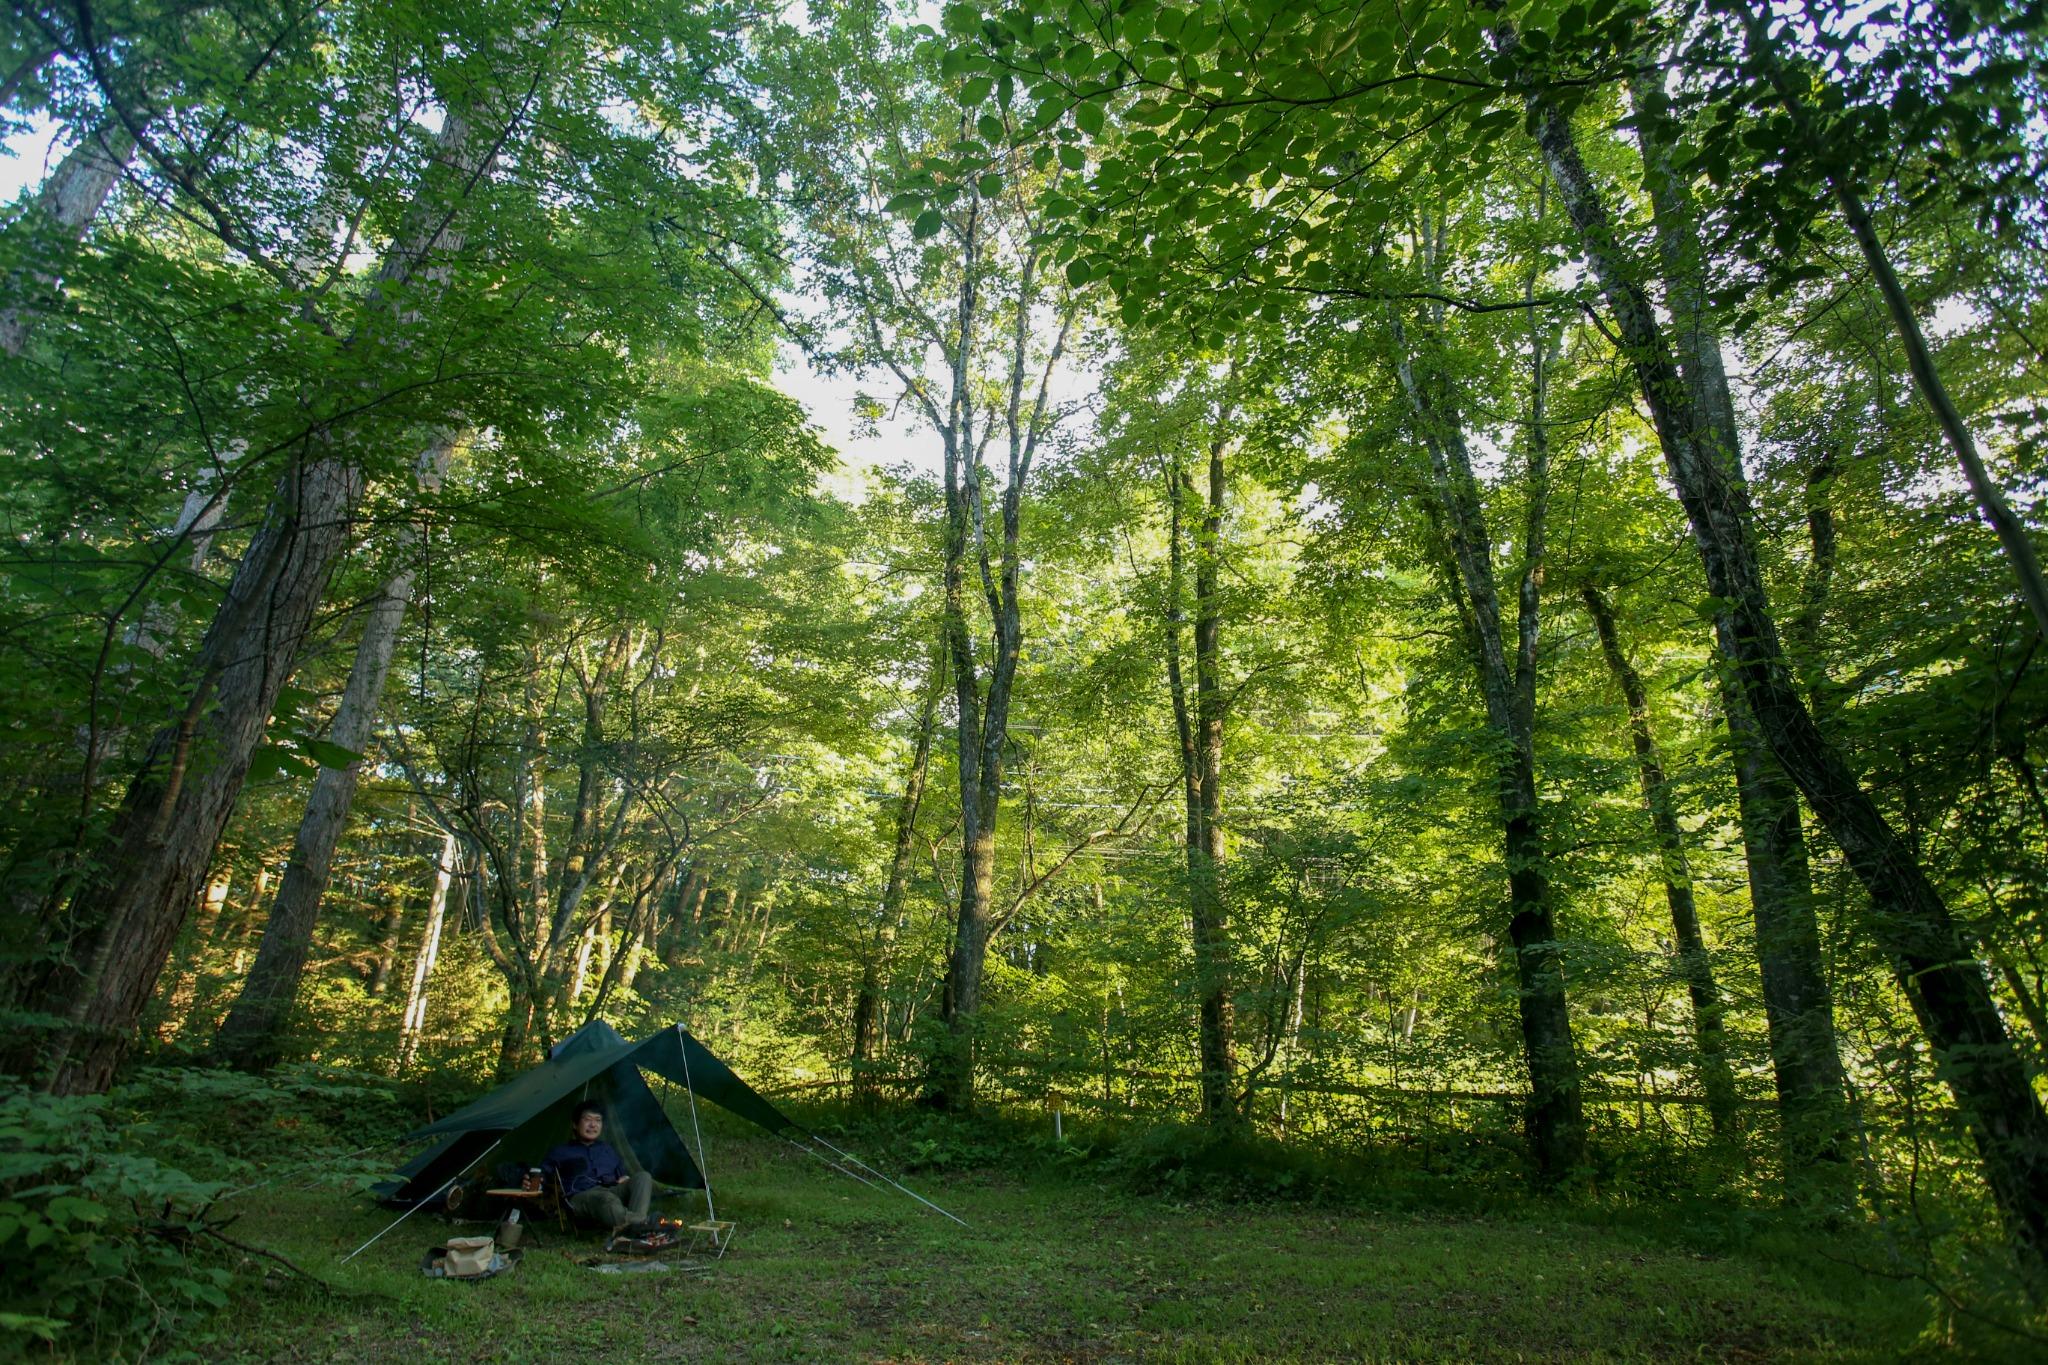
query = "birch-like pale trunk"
{"x": 64, "y": 207}
{"x": 412, "y": 1024}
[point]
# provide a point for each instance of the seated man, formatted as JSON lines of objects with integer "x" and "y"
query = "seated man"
{"x": 591, "y": 1173}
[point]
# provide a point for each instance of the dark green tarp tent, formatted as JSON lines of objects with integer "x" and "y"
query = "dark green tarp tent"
{"x": 520, "y": 1120}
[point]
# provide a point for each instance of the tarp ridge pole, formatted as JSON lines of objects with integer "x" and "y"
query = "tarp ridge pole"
{"x": 423, "y": 1203}
{"x": 689, "y": 1087}
{"x": 897, "y": 1183}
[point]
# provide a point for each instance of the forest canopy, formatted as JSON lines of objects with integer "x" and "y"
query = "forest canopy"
{"x": 1454, "y": 580}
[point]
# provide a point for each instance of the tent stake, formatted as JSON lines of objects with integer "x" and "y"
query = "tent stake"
{"x": 898, "y": 1184}
{"x": 422, "y": 1204}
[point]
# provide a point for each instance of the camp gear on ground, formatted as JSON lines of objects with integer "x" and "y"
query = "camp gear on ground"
{"x": 467, "y": 1258}
{"x": 647, "y": 1265}
{"x": 470, "y": 1255}
{"x": 711, "y": 1235}
{"x": 643, "y": 1240}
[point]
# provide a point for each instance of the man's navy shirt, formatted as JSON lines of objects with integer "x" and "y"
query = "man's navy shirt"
{"x": 585, "y": 1166}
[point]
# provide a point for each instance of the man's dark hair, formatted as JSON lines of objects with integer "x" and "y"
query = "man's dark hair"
{"x": 587, "y": 1107}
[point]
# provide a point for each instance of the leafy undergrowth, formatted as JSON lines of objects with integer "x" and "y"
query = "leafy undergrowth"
{"x": 1058, "y": 1267}
{"x": 108, "y": 1243}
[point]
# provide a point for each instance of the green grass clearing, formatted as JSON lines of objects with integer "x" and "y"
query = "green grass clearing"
{"x": 1052, "y": 1269}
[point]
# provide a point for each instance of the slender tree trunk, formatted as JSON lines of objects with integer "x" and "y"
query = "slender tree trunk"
{"x": 983, "y": 698}
{"x": 389, "y": 927}
{"x": 177, "y": 1009}
{"x": 1910, "y": 921}
{"x": 1798, "y": 1006}
{"x": 1716, "y": 1079}
{"x": 513, "y": 1048}
{"x": 581, "y": 970}
{"x": 251, "y": 1038}
{"x": 413, "y": 1023}
{"x": 2029, "y": 1003}
{"x": 1212, "y": 925}
{"x": 689, "y": 916}
{"x": 868, "y": 1001}
{"x": 1556, "y": 1107}
{"x": 1200, "y": 729}
{"x": 643, "y": 947}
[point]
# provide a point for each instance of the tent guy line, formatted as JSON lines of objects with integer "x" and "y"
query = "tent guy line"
{"x": 872, "y": 1171}
{"x": 416, "y": 1207}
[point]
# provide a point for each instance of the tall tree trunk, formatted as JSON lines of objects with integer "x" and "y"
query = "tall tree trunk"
{"x": 412, "y": 1024}
{"x": 1716, "y": 1079}
{"x": 644, "y": 939}
{"x": 177, "y": 1008}
{"x": 513, "y": 1045}
{"x": 1556, "y": 1107}
{"x": 389, "y": 926}
{"x": 1910, "y": 921}
{"x": 251, "y": 1037}
{"x": 127, "y": 912}
{"x": 1200, "y": 730}
{"x": 868, "y": 1001}
{"x": 1798, "y": 1006}
{"x": 574, "y": 990}
{"x": 145, "y": 871}
{"x": 983, "y": 698}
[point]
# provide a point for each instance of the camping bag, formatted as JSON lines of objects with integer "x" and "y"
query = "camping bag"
{"x": 469, "y": 1256}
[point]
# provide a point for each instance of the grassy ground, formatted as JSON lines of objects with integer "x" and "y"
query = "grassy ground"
{"x": 824, "y": 1269}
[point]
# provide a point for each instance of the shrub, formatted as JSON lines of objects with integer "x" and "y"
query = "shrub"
{"x": 111, "y": 1247}
{"x": 84, "y": 1232}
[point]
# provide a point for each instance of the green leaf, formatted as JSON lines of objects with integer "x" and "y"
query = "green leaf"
{"x": 975, "y": 91}
{"x": 1088, "y": 117}
{"x": 1072, "y": 157}
{"x": 989, "y": 185}
{"x": 1077, "y": 272}
{"x": 907, "y": 202}
{"x": 928, "y": 224}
